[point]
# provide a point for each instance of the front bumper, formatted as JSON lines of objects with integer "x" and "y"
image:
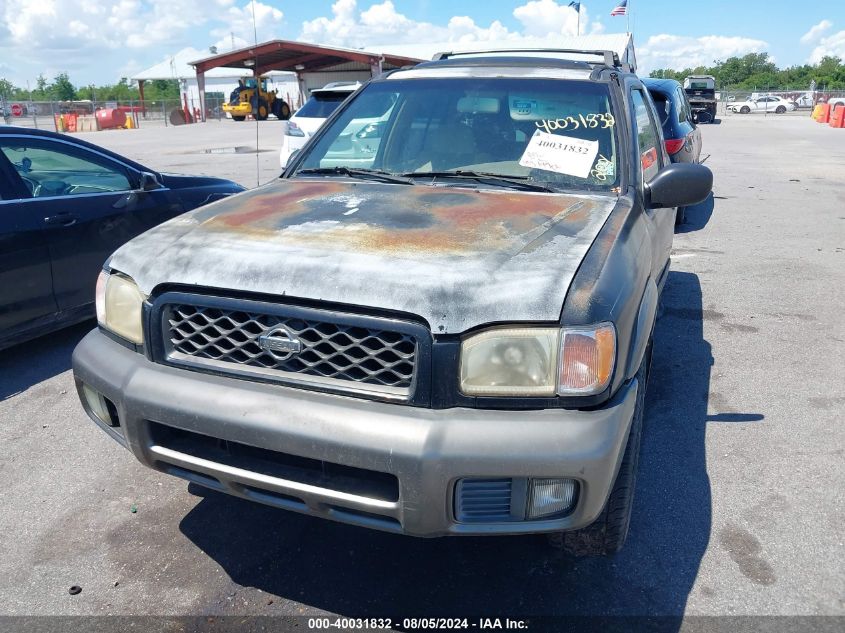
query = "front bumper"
{"x": 426, "y": 450}
{"x": 242, "y": 108}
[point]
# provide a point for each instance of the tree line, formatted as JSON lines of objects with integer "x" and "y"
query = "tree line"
{"x": 61, "y": 89}
{"x": 758, "y": 71}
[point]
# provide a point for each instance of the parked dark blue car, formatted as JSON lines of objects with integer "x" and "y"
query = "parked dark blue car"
{"x": 680, "y": 132}
{"x": 65, "y": 207}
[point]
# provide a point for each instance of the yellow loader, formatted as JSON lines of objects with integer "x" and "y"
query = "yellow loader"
{"x": 252, "y": 97}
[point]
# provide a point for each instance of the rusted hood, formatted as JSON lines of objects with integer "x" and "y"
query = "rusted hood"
{"x": 456, "y": 257}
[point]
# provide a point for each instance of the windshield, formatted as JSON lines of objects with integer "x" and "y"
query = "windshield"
{"x": 322, "y": 104}
{"x": 558, "y": 133}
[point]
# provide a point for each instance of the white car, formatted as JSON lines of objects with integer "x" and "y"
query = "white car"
{"x": 778, "y": 105}
{"x": 307, "y": 120}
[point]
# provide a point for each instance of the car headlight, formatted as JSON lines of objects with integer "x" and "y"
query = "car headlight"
{"x": 534, "y": 361}
{"x": 119, "y": 302}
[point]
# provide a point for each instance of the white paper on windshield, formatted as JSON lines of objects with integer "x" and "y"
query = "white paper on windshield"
{"x": 563, "y": 154}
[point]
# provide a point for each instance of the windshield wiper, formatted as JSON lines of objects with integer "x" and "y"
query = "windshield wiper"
{"x": 487, "y": 178}
{"x": 355, "y": 172}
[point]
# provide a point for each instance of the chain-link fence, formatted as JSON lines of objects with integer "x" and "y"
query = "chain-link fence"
{"x": 85, "y": 116}
{"x": 803, "y": 98}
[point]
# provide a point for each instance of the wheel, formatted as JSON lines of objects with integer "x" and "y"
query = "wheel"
{"x": 680, "y": 216}
{"x": 606, "y": 535}
{"x": 745, "y": 109}
{"x": 237, "y": 118}
{"x": 780, "y": 109}
{"x": 260, "y": 110}
{"x": 281, "y": 110}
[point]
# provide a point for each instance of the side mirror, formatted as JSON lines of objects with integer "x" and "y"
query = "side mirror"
{"x": 679, "y": 185}
{"x": 149, "y": 182}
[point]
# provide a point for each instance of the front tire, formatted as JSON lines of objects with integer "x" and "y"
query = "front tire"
{"x": 745, "y": 110}
{"x": 261, "y": 111}
{"x": 606, "y": 535}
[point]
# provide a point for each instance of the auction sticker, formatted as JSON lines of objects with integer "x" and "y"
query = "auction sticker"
{"x": 563, "y": 154}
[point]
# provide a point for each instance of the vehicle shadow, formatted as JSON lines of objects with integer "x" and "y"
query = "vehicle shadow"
{"x": 355, "y": 572}
{"x": 27, "y": 364}
{"x": 697, "y": 216}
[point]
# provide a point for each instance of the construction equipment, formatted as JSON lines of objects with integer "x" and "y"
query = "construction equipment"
{"x": 252, "y": 97}
{"x": 701, "y": 93}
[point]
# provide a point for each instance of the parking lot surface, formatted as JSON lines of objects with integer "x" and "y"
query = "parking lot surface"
{"x": 739, "y": 505}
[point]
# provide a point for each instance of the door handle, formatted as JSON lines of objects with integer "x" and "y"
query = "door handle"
{"x": 61, "y": 219}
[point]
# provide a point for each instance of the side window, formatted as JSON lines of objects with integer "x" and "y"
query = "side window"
{"x": 683, "y": 106}
{"x": 50, "y": 169}
{"x": 648, "y": 139}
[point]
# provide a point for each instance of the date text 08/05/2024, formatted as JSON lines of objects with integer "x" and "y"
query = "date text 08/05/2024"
{"x": 417, "y": 623}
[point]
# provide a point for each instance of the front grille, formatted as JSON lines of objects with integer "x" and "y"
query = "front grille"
{"x": 313, "y": 472}
{"x": 293, "y": 345}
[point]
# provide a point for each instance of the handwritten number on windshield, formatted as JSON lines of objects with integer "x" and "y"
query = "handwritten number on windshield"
{"x": 601, "y": 120}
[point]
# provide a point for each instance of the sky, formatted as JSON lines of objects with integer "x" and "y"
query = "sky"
{"x": 99, "y": 41}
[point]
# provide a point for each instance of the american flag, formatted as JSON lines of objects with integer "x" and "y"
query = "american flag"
{"x": 622, "y": 9}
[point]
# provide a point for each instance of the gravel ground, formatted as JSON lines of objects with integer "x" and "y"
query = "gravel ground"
{"x": 739, "y": 507}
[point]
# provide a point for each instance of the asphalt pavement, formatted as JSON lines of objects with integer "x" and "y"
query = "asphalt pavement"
{"x": 739, "y": 504}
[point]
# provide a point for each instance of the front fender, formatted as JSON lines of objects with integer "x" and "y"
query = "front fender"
{"x": 614, "y": 283}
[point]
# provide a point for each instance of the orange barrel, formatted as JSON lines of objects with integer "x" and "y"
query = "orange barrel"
{"x": 111, "y": 118}
{"x": 70, "y": 121}
{"x": 824, "y": 113}
{"x": 837, "y": 118}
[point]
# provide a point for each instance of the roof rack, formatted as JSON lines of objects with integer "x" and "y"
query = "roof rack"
{"x": 611, "y": 58}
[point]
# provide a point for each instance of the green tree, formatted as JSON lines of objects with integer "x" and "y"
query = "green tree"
{"x": 42, "y": 89}
{"x": 62, "y": 89}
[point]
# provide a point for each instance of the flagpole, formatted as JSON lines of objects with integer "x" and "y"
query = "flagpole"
{"x": 628, "y": 17}
{"x": 579, "y": 20}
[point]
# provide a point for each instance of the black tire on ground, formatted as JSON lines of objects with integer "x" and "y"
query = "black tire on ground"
{"x": 260, "y": 110}
{"x": 606, "y": 535}
{"x": 745, "y": 109}
{"x": 680, "y": 216}
{"x": 281, "y": 110}
{"x": 704, "y": 116}
{"x": 780, "y": 109}
{"x": 238, "y": 118}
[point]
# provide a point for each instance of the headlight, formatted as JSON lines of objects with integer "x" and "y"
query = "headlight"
{"x": 538, "y": 361}
{"x": 510, "y": 362}
{"x": 119, "y": 302}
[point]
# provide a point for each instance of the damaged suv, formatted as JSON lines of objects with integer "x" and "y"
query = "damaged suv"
{"x": 446, "y": 332}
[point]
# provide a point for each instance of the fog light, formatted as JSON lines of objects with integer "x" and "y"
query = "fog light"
{"x": 551, "y": 496}
{"x": 99, "y": 406}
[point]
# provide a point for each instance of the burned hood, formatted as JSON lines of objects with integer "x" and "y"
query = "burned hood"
{"x": 456, "y": 257}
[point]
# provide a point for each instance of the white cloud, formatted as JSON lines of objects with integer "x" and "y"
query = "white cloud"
{"x": 93, "y": 40}
{"x": 678, "y": 52}
{"x": 238, "y": 20}
{"x": 833, "y": 45}
{"x": 816, "y": 31}
{"x": 381, "y": 23}
{"x": 79, "y": 26}
{"x": 540, "y": 18}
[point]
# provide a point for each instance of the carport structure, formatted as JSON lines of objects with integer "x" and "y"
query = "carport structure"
{"x": 306, "y": 60}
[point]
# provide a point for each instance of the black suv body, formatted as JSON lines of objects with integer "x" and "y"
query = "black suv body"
{"x": 451, "y": 340}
